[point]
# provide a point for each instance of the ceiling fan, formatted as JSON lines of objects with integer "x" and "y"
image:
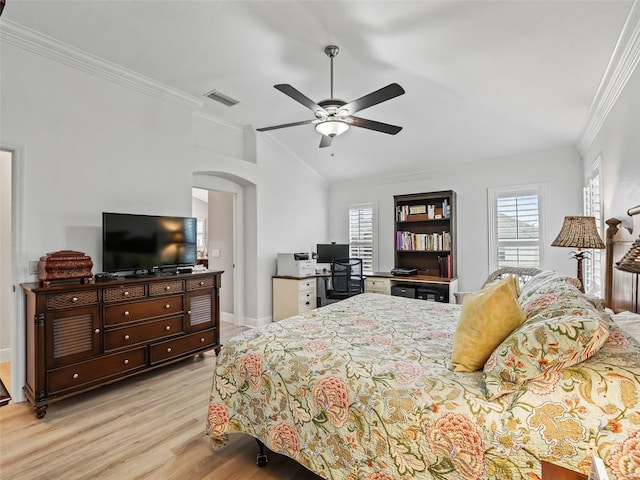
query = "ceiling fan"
{"x": 333, "y": 117}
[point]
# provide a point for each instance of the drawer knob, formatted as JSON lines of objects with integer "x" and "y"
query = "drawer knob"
{"x": 126, "y": 361}
{"x": 126, "y": 337}
{"x": 169, "y": 350}
{"x": 126, "y": 313}
{"x": 167, "y": 287}
{"x": 74, "y": 300}
{"x": 167, "y": 328}
{"x": 202, "y": 340}
{"x": 188, "y": 312}
{"x": 97, "y": 330}
{"x": 201, "y": 284}
{"x": 76, "y": 375}
{"x": 167, "y": 306}
{"x": 125, "y": 293}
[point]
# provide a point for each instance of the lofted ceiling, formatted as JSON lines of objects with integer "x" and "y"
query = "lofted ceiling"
{"x": 483, "y": 79}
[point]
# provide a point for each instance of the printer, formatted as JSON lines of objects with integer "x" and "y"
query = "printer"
{"x": 296, "y": 264}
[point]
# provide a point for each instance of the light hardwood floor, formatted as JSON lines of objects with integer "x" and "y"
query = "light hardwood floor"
{"x": 147, "y": 427}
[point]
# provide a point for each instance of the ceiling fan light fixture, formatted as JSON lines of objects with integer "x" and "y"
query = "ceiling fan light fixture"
{"x": 332, "y": 128}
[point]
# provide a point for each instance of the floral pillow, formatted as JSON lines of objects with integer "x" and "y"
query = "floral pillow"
{"x": 536, "y": 282}
{"x": 544, "y": 344}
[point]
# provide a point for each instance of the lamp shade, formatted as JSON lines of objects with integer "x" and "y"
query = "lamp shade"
{"x": 332, "y": 128}
{"x": 579, "y": 232}
{"x": 631, "y": 261}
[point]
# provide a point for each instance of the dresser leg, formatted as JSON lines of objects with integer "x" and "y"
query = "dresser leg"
{"x": 40, "y": 411}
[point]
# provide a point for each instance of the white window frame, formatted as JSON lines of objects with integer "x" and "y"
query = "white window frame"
{"x": 593, "y": 273}
{"x": 497, "y": 192}
{"x": 374, "y": 234}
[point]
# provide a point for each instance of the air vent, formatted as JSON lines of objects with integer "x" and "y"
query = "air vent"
{"x": 221, "y": 97}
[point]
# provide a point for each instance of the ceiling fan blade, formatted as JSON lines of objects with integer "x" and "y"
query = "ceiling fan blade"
{"x": 377, "y": 126}
{"x": 385, "y": 93}
{"x": 299, "y": 97}
{"x": 284, "y": 125}
{"x": 326, "y": 141}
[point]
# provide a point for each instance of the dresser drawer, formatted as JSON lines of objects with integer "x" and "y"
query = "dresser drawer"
{"x": 180, "y": 346}
{"x": 202, "y": 282}
{"x": 165, "y": 288}
{"x": 135, "y": 311}
{"x": 124, "y": 292}
{"x": 141, "y": 333}
{"x": 72, "y": 299}
{"x": 307, "y": 300}
{"x": 94, "y": 370}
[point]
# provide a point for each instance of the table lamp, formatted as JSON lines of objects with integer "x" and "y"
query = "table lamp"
{"x": 579, "y": 232}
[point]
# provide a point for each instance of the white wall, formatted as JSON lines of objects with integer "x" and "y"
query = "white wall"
{"x": 90, "y": 145}
{"x": 560, "y": 170}
{"x": 618, "y": 141}
{"x": 6, "y": 310}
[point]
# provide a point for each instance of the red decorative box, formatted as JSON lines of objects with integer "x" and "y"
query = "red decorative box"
{"x": 64, "y": 265}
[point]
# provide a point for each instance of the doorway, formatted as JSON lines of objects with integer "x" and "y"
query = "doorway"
{"x": 6, "y": 267}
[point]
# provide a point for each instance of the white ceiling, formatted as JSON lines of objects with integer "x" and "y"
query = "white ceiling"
{"x": 483, "y": 79}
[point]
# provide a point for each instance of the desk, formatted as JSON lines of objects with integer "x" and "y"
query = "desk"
{"x": 295, "y": 295}
{"x": 384, "y": 282}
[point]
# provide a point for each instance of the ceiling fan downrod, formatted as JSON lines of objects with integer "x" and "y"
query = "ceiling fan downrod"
{"x": 331, "y": 51}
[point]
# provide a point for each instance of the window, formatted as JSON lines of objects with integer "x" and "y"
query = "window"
{"x": 361, "y": 235}
{"x": 592, "y": 264}
{"x": 515, "y": 227}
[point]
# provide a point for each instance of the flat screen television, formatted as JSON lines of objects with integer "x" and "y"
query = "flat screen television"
{"x": 327, "y": 252}
{"x": 133, "y": 242}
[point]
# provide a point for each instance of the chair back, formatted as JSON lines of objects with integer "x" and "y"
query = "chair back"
{"x": 346, "y": 276}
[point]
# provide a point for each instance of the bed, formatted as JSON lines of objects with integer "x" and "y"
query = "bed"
{"x": 366, "y": 389}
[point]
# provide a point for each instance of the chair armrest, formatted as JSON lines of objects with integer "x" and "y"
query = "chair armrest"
{"x": 460, "y": 296}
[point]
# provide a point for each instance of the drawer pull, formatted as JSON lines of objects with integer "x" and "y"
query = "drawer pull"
{"x": 167, "y": 328}
{"x": 126, "y": 313}
{"x": 188, "y": 312}
{"x": 167, "y": 287}
{"x": 167, "y": 306}
{"x": 97, "y": 330}
{"x": 126, "y": 337}
{"x": 75, "y": 375}
{"x": 125, "y": 293}
{"x": 74, "y": 300}
{"x": 201, "y": 284}
{"x": 169, "y": 350}
{"x": 126, "y": 361}
{"x": 202, "y": 340}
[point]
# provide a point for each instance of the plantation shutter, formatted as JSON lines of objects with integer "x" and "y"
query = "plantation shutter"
{"x": 517, "y": 235}
{"x": 593, "y": 207}
{"x": 361, "y": 235}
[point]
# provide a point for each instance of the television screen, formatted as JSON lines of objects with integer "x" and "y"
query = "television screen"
{"x": 328, "y": 251}
{"x": 142, "y": 242}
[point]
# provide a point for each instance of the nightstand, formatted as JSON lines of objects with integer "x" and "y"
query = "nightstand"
{"x": 556, "y": 472}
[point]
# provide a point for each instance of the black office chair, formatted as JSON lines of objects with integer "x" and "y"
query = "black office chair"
{"x": 346, "y": 279}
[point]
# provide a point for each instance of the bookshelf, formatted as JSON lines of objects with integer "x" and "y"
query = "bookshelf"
{"x": 425, "y": 233}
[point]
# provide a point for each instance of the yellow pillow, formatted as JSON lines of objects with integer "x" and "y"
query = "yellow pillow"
{"x": 486, "y": 319}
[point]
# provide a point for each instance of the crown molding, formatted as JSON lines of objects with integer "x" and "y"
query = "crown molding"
{"x": 23, "y": 37}
{"x": 624, "y": 60}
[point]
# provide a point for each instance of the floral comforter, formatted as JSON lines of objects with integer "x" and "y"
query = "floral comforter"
{"x": 364, "y": 389}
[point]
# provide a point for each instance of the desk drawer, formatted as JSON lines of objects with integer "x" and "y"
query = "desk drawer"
{"x": 377, "y": 285}
{"x": 307, "y": 286}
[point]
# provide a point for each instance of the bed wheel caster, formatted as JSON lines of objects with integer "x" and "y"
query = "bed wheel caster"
{"x": 261, "y": 458}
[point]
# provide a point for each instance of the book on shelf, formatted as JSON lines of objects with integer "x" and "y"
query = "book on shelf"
{"x": 423, "y": 241}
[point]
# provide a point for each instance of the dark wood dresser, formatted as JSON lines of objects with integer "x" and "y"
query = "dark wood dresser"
{"x": 82, "y": 336}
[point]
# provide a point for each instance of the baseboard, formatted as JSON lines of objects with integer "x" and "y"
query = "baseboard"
{"x": 228, "y": 317}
